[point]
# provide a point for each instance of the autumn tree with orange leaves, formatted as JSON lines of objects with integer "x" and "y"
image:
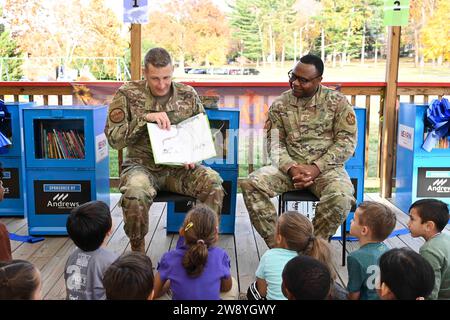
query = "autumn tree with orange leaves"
{"x": 54, "y": 32}
{"x": 192, "y": 30}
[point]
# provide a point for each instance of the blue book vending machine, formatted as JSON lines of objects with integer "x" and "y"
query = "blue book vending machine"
{"x": 66, "y": 163}
{"x": 224, "y": 123}
{"x": 355, "y": 165}
{"x": 11, "y": 159}
{"x": 419, "y": 174}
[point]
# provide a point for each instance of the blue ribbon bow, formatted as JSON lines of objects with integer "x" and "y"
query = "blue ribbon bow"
{"x": 4, "y": 141}
{"x": 438, "y": 116}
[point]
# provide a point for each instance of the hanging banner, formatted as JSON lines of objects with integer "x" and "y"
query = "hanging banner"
{"x": 135, "y": 11}
{"x": 396, "y": 13}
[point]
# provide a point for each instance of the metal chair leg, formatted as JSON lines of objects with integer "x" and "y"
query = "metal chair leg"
{"x": 344, "y": 241}
{"x": 279, "y": 204}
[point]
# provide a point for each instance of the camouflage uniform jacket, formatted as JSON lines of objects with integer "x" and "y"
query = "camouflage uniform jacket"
{"x": 125, "y": 126}
{"x": 320, "y": 130}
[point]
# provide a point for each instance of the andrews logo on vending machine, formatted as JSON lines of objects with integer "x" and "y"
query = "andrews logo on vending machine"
{"x": 433, "y": 182}
{"x": 59, "y": 197}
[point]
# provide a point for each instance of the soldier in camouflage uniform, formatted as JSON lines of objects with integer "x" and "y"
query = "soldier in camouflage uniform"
{"x": 157, "y": 99}
{"x": 311, "y": 133}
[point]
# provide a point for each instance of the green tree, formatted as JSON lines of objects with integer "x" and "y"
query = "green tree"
{"x": 368, "y": 18}
{"x": 284, "y": 15}
{"x": 306, "y": 29}
{"x": 247, "y": 29}
{"x": 374, "y": 29}
{"x": 343, "y": 28}
{"x": 10, "y": 69}
{"x": 419, "y": 14}
{"x": 264, "y": 27}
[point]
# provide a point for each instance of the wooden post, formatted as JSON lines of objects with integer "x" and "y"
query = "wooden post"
{"x": 387, "y": 147}
{"x": 136, "y": 67}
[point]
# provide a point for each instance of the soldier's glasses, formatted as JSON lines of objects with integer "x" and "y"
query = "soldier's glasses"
{"x": 293, "y": 77}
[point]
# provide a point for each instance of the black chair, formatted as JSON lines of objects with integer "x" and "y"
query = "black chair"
{"x": 167, "y": 196}
{"x": 308, "y": 196}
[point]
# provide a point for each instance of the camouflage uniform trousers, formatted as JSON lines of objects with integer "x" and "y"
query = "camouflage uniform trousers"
{"x": 139, "y": 187}
{"x": 333, "y": 188}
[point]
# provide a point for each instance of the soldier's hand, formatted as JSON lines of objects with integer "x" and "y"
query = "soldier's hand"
{"x": 295, "y": 170}
{"x": 306, "y": 174}
{"x": 160, "y": 118}
{"x": 188, "y": 166}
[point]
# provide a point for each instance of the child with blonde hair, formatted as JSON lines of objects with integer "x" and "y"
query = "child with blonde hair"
{"x": 197, "y": 269}
{"x": 294, "y": 235}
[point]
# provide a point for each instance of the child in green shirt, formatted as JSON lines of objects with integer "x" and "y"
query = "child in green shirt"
{"x": 428, "y": 218}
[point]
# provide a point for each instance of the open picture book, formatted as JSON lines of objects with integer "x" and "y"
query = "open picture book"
{"x": 186, "y": 142}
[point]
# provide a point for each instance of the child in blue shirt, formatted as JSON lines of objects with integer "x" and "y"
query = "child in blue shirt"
{"x": 372, "y": 223}
{"x": 294, "y": 235}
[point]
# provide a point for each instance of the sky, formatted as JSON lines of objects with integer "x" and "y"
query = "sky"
{"x": 117, "y": 5}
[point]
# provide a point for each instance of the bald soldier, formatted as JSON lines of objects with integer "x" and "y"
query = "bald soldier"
{"x": 160, "y": 100}
{"x": 311, "y": 133}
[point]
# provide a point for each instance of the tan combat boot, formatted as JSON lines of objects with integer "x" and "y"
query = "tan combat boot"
{"x": 138, "y": 245}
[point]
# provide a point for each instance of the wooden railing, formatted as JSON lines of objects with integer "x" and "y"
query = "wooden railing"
{"x": 253, "y": 99}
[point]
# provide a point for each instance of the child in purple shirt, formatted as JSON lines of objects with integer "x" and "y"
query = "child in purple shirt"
{"x": 196, "y": 270}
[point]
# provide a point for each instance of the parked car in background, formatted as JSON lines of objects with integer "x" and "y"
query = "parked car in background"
{"x": 197, "y": 71}
{"x": 222, "y": 70}
{"x": 251, "y": 71}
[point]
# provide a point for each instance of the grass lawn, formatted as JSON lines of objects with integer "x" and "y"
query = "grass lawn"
{"x": 352, "y": 72}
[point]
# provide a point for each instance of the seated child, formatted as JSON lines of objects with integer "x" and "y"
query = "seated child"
{"x": 372, "y": 224}
{"x": 88, "y": 225}
{"x": 404, "y": 275}
{"x": 197, "y": 270}
{"x": 130, "y": 277}
{"x": 294, "y": 235}
{"x": 306, "y": 278}
{"x": 428, "y": 218}
{"x": 5, "y": 243}
{"x": 19, "y": 280}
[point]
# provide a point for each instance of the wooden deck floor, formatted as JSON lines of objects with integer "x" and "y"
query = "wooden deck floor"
{"x": 245, "y": 247}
